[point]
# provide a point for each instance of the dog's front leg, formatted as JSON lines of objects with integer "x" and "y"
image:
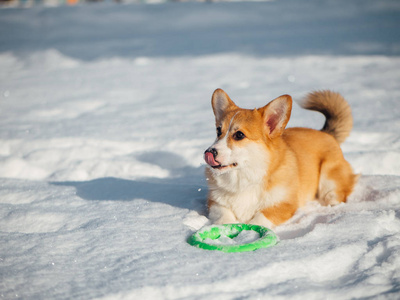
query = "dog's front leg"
{"x": 219, "y": 214}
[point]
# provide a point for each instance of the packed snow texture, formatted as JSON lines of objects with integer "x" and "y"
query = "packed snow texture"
{"x": 104, "y": 116}
{"x": 244, "y": 237}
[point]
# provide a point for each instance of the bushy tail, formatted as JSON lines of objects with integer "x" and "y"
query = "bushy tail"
{"x": 335, "y": 108}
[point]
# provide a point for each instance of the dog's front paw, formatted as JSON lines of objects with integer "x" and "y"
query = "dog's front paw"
{"x": 226, "y": 221}
{"x": 221, "y": 215}
{"x": 260, "y": 219}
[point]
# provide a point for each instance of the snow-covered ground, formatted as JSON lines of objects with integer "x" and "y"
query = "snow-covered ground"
{"x": 104, "y": 116}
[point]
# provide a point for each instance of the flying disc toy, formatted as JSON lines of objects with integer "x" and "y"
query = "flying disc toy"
{"x": 207, "y": 238}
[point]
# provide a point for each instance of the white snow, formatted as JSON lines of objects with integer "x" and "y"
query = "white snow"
{"x": 104, "y": 116}
{"x": 244, "y": 237}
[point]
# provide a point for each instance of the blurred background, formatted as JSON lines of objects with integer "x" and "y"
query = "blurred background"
{"x": 28, "y": 3}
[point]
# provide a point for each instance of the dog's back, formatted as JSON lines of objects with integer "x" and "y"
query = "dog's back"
{"x": 323, "y": 172}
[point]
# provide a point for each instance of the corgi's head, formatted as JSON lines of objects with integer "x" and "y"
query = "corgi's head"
{"x": 244, "y": 136}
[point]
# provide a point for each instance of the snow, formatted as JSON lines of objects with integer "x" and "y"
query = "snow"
{"x": 244, "y": 237}
{"x": 105, "y": 114}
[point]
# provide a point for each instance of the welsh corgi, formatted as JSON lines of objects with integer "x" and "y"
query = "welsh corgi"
{"x": 260, "y": 173}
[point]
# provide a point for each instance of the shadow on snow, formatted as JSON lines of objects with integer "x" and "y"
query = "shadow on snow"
{"x": 184, "y": 188}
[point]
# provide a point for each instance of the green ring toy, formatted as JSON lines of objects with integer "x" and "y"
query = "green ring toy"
{"x": 267, "y": 237}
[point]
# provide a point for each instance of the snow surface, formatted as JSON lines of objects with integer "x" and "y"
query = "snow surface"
{"x": 245, "y": 237}
{"x": 104, "y": 116}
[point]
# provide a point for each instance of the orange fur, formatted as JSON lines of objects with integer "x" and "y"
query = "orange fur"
{"x": 273, "y": 171}
{"x": 280, "y": 213}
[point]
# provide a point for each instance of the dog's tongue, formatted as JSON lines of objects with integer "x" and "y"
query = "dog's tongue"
{"x": 209, "y": 158}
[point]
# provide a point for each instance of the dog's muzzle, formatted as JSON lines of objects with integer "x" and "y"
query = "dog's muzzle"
{"x": 209, "y": 156}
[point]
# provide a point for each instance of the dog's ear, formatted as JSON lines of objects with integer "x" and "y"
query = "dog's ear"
{"x": 276, "y": 115}
{"x": 221, "y": 103}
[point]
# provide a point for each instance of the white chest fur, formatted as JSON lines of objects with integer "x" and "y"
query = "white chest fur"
{"x": 244, "y": 195}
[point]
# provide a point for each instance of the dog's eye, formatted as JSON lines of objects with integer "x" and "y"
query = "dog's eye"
{"x": 238, "y": 135}
{"x": 219, "y": 131}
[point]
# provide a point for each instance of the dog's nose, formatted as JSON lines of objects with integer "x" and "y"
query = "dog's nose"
{"x": 213, "y": 151}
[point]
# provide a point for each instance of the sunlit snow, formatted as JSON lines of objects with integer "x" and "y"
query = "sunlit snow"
{"x": 104, "y": 116}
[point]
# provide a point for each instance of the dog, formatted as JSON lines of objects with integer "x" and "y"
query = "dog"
{"x": 260, "y": 173}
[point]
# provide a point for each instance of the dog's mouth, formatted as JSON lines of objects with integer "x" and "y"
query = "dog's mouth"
{"x": 210, "y": 160}
{"x": 220, "y": 167}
